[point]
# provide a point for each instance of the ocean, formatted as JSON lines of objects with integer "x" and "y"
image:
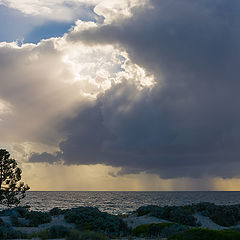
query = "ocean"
{"x": 123, "y": 202}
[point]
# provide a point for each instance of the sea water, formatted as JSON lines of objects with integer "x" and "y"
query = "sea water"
{"x": 123, "y": 202}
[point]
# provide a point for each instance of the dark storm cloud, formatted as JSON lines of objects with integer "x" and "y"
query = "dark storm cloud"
{"x": 44, "y": 157}
{"x": 188, "y": 125}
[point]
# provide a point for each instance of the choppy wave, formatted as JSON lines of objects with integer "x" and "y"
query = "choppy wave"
{"x": 123, "y": 202}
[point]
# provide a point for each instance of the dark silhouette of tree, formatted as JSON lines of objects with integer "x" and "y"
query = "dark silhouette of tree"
{"x": 11, "y": 189}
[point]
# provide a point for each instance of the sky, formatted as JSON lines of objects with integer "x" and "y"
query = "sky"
{"x": 121, "y": 94}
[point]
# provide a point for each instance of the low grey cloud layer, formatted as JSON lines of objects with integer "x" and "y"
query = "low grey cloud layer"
{"x": 188, "y": 124}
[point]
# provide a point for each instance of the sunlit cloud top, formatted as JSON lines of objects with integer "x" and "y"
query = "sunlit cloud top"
{"x": 146, "y": 87}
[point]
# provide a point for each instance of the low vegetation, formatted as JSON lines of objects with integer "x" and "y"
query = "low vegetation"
{"x": 206, "y": 234}
{"x": 223, "y": 215}
{"x": 85, "y": 235}
{"x": 56, "y": 232}
{"x": 7, "y": 232}
{"x": 157, "y": 230}
{"x": 31, "y": 219}
{"x": 57, "y": 211}
{"x": 90, "y": 223}
{"x": 89, "y": 218}
{"x": 36, "y": 218}
{"x": 52, "y": 233}
{"x": 179, "y": 214}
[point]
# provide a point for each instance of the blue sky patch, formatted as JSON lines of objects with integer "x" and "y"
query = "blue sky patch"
{"x": 49, "y": 30}
{"x": 16, "y": 26}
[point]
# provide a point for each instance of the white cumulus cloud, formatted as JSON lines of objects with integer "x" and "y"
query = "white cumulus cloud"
{"x": 68, "y": 10}
{"x": 44, "y": 84}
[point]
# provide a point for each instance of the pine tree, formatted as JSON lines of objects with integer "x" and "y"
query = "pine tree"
{"x": 12, "y": 190}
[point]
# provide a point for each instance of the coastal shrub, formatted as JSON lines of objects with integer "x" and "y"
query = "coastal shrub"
{"x": 36, "y": 218}
{"x": 147, "y": 209}
{"x": 74, "y": 234}
{"x": 58, "y": 231}
{"x": 22, "y": 211}
{"x": 173, "y": 229}
{"x": 2, "y": 213}
{"x": 14, "y": 221}
{"x": 224, "y": 215}
{"x": 85, "y": 235}
{"x": 237, "y": 229}
{"x": 53, "y": 232}
{"x": 2, "y": 223}
{"x": 57, "y": 211}
{"x": 7, "y": 232}
{"x": 124, "y": 215}
{"x": 158, "y": 229}
{"x": 205, "y": 208}
{"x": 206, "y": 234}
{"x": 9, "y": 212}
{"x": 179, "y": 214}
{"x": 150, "y": 230}
{"x": 189, "y": 208}
{"x": 19, "y": 222}
{"x": 89, "y": 218}
{"x": 17, "y": 211}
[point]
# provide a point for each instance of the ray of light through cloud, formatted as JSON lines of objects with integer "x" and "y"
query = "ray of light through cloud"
{"x": 141, "y": 89}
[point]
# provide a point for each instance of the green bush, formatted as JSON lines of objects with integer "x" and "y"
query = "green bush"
{"x": 2, "y": 223}
{"x": 157, "y": 229}
{"x": 36, "y": 218}
{"x": 14, "y": 221}
{"x": 223, "y": 215}
{"x": 58, "y": 231}
{"x": 7, "y": 232}
{"x": 204, "y": 207}
{"x": 150, "y": 230}
{"x": 147, "y": 209}
{"x": 52, "y": 232}
{"x": 206, "y": 234}
{"x": 22, "y": 211}
{"x": 56, "y": 211}
{"x": 89, "y": 218}
{"x": 85, "y": 235}
{"x": 179, "y": 214}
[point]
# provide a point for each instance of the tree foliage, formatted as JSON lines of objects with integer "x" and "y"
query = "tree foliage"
{"x": 12, "y": 190}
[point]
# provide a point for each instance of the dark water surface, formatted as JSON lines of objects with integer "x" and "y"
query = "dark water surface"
{"x": 123, "y": 202}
